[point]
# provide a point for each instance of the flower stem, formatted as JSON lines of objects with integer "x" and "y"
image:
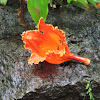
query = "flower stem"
{"x": 86, "y": 61}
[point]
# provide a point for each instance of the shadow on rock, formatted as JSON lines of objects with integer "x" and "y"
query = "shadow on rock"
{"x": 45, "y": 70}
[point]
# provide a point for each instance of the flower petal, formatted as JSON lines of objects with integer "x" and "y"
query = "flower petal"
{"x": 35, "y": 59}
{"x": 49, "y": 30}
{"x": 32, "y": 40}
{"x": 56, "y": 59}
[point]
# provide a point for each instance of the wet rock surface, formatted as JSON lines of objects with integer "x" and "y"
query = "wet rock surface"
{"x": 66, "y": 81}
{"x": 9, "y": 24}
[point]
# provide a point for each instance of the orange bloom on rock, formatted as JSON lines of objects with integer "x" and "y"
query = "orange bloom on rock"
{"x": 49, "y": 44}
{"x": 98, "y": 5}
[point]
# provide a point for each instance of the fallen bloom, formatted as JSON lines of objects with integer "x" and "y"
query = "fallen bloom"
{"x": 98, "y": 5}
{"x": 49, "y": 44}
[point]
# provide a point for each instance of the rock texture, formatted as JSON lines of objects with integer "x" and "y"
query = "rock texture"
{"x": 66, "y": 81}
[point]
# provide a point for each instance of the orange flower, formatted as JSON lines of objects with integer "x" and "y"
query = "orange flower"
{"x": 49, "y": 44}
{"x": 98, "y": 5}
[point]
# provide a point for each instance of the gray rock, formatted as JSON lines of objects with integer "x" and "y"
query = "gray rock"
{"x": 9, "y": 24}
{"x": 66, "y": 81}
